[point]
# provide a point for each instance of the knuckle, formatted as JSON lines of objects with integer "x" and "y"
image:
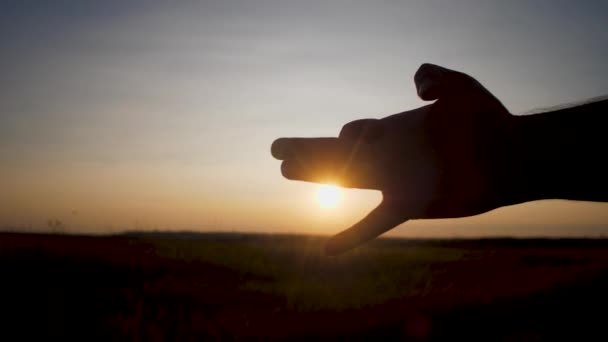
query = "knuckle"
{"x": 358, "y": 128}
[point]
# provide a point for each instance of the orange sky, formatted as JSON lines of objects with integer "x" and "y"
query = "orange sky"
{"x": 154, "y": 116}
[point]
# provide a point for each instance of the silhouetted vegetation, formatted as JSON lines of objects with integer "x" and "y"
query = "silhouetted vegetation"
{"x": 189, "y": 286}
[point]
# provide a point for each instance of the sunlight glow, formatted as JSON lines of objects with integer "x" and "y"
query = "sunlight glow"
{"x": 328, "y": 195}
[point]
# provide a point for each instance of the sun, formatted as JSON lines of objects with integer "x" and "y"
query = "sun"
{"x": 328, "y": 195}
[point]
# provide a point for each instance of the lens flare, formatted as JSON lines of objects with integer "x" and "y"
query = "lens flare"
{"x": 328, "y": 195}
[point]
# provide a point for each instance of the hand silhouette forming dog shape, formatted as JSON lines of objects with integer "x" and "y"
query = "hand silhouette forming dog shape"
{"x": 443, "y": 160}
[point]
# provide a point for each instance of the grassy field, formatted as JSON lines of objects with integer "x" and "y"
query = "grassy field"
{"x": 167, "y": 287}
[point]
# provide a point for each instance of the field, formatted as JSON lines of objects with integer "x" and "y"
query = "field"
{"x": 186, "y": 286}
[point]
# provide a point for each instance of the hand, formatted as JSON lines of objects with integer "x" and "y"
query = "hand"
{"x": 438, "y": 161}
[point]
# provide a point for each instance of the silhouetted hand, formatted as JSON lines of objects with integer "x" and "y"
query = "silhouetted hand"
{"x": 438, "y": 161}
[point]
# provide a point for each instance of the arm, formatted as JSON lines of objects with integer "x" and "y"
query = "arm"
{"x": 559, "y": 155}
{"x": 462, "y": 155}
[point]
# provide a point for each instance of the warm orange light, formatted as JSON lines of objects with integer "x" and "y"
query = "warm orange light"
{"x": 328, "y": 195}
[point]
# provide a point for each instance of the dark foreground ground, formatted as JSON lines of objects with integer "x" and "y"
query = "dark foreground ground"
{"x": 164, "y": 287}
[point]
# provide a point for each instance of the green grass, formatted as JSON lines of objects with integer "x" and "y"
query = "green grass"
{"x": 262, "y": 287}
{"x": 295, "y": 268}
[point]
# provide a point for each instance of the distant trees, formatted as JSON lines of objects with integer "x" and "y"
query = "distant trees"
{"x": 56, "y": 226}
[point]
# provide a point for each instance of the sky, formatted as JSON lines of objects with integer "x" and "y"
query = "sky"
{"x": 122, "y": 115}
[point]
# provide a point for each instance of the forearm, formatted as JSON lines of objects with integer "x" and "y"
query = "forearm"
{"x": 561, "y": 154}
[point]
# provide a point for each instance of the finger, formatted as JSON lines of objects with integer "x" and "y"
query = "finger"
{"x": 280, "y": 148}
{"x": 326, "y": 160}
{"x": 306, "y": 148}
{"x": 434, "y": 82}
{"x": 367, "y": 130}
{"x": 383, "y": 218}
{"x": 320, "y": 160}
{"x": 326, "y": 173}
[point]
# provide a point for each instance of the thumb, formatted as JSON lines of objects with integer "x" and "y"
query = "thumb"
{"x": 434, "y": 82}
{"x": 383, "y": 218}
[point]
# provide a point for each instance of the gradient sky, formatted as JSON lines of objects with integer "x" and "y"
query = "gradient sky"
{"x": 139, "y": 115}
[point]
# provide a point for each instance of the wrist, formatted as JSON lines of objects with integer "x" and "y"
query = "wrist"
{"x": 557, "y": 155}
{"x": 528, "y": 160}
{"x": 516, "y": 166}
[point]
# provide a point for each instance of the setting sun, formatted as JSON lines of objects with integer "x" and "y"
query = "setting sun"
{"x": 328, "y": 195}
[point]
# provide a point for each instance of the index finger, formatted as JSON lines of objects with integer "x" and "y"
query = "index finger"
{"x": 325, "y": 160}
